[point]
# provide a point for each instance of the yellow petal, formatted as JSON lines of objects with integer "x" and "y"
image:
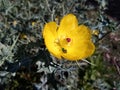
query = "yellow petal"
{"x": 68, "y": 23}
{"x": 49, "y": 35}
{"x": 84, "y": 32}
{"x": 79, "y": 50}
{"x": 50, "y": 29}
{"x": 80, "y": 46}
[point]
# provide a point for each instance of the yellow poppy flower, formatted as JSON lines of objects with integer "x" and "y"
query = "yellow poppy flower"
{"x": 68, "y": 40}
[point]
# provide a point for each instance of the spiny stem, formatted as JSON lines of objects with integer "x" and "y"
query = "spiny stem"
{"x": 88, "y": 62}
{"x": 15, "y": 42}
{"x": 78, "y": 64}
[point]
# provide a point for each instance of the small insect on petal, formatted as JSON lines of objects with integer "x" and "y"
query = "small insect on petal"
{"x": 64, "y": 50}
{"x": 68, "y": 39}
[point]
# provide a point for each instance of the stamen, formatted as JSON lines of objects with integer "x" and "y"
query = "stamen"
{"x": 56, "y": 41}
{"x": 68, "y": 39}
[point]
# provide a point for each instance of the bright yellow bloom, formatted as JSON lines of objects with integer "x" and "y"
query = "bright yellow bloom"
{"x": 68, "y": 40}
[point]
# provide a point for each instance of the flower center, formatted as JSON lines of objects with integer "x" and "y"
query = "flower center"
{"x": 63, "y": 42}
